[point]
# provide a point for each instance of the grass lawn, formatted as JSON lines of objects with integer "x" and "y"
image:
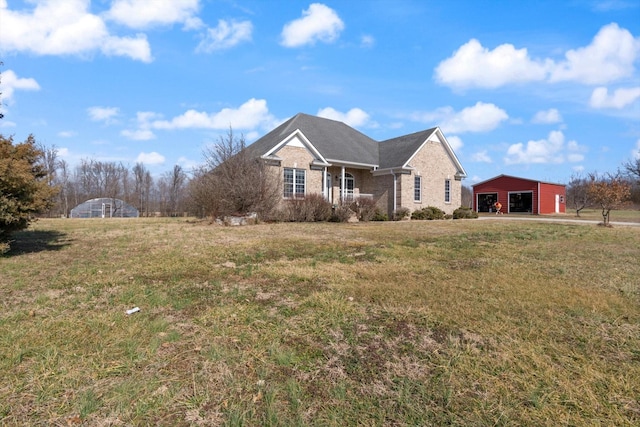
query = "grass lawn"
{"x": 627, "y": 215}
{"x": 387, "y": 324}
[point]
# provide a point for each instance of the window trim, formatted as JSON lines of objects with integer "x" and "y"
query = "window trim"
{"x": 298, "y": 180}
{"x": 417, "y": 188}
{"x": 447, "y": 191}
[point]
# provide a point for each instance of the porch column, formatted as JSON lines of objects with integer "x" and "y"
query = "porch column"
{"x": 325, "y": 190}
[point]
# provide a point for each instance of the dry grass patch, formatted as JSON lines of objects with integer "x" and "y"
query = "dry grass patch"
{"x": 407, "y": 323}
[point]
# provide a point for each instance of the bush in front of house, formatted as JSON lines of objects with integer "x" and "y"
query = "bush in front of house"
{"x": 464, "y": 213}
{"x": 313, "y": 207}
{"x": 378, "y": 215}
{"x": 429, "y": 213}
{"x": 401, "y": 213}
{"x": 365, "y": 208}
{"x": 342, "y": 213}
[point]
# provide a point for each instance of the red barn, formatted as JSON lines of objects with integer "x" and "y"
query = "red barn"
{"x": 519, "y": 195}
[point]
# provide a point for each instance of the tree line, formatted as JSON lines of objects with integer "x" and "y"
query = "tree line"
{"x": 90, "y": 179}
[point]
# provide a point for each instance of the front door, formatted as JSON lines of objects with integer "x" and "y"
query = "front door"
{"x": 349, "y": 185}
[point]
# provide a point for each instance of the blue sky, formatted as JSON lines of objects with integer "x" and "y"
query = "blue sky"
{"x": 537, "y": 89}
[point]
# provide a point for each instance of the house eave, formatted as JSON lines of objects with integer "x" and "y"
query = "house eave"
{"x": 392, "y": 171}
{"x": 335, "y": 162}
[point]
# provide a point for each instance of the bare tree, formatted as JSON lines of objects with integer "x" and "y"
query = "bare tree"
{"x": 609, "y": 192}
{"x": 172, "y": 184}
{"x": 49, "y": 165}
{"x": 633, "y": 168}
{"x": 147, "y": 185}
{"x": 235, "y": 181}
{"x": 467, "y": 196}
{"x": 139, "y": 172}
{"x": 64, "y": 181}
{"x": 201, "y": 190}
{"x": 578, "y": 193}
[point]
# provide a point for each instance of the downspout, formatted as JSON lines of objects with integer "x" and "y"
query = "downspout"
{"x": 395, "y": 189}
{"x": 342, "y": 185}
{"x": 538, "y": 198}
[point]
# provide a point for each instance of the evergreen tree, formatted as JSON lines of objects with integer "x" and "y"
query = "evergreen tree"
{"x": 24, "y": 190}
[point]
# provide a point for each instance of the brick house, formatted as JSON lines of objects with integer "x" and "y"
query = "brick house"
{"x": 317, "y": 155}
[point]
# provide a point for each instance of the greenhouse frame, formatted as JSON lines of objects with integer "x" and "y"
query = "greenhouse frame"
{"x": 104, "y": 207}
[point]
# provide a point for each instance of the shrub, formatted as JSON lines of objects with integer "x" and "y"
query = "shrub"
{"x": 401, "y": 213}
{"x": 429, "y": 213}
{"x": 365, "y": 208}
{"x": 378, "y": 215}
{"x": 342, "y": 213}
{"x": 464, "y": 213}
{"x": 312, "y": 207}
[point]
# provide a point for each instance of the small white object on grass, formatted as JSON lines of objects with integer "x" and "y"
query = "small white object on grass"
{"x": 133, "y": 310}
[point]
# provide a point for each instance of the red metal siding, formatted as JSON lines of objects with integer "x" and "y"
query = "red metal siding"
{"x": 503, "y": 185}
{"x": 545, "y": 193}
{"x": 548, "y": 194}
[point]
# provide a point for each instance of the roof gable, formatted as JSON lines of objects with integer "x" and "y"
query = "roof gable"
{"x": 398, "y": 152}
{"x": 334, "y": 142}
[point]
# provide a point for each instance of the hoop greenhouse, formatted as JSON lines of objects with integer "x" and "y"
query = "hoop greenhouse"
{"x": 104, "y": 208}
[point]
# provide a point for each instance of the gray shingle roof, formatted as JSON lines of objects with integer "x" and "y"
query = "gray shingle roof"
{"x": 338, "y": 142}
{"x": 333, "y": 139}
{"x": 396, "y": 152}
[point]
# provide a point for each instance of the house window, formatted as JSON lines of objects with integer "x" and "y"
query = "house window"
{"x": 417, "y": 188}
{"x": 447, "y": 191}
{"x": 294, "y": 182}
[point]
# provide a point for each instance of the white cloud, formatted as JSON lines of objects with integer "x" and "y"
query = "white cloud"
{"x": 11, "y": 82}
{"x": 549, "y": 150}
{"x": 102, "y": 114}
{"x": 575, "y": 157}
{"x": 547, "y": 116}
{"x": 141, "y": 14}
{"x": 7, "y": 124}
{"x": 481, "y": 117}
{"x": 152, "y": 158}
{"x": 367, "y": 41}
{"x": 225, "y": 35}
{"x": 249, "y": 115}
{"x": 612, "y": 5}
{"x": 319, "y": 23}
{"x": 187, "y": 164}
{"x": 67, "y": 134}
{"x": 481, "y": 157}
{"x": 609, "y": 57}
{"x": 455, "y": 142}
{"x": 473, "y": 65}
{"x": 635, "y": 153}
{"x": 62, "y": 152}
{"x": 619, "y": 99}
{"x": 354, "y": 117}
{"x": 138, "y": 134}
{"x": 65, "y": 28}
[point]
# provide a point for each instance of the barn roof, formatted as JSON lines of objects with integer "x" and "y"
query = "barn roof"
{"x": 515, "y": 177}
